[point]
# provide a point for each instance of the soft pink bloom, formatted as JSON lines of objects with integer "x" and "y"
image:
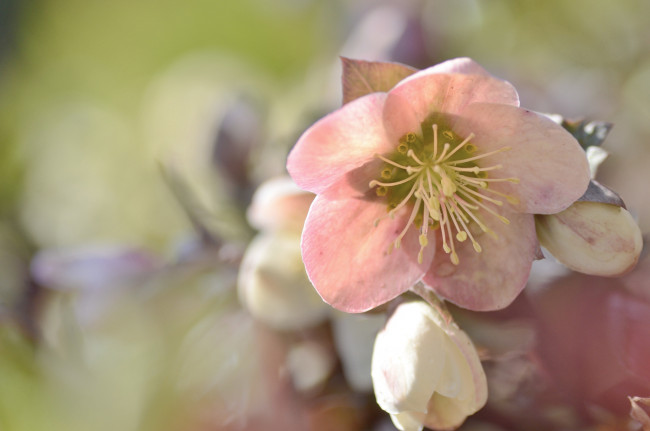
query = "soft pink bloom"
{"x": 436, "y": 180}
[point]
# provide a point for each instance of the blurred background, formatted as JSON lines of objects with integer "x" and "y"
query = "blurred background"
{"x": 132, "y": 137}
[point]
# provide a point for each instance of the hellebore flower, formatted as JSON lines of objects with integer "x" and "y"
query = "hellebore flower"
{"x": 435, "y": 180}
{"x": 272, "y": 282}
{"x": 425, "y": 370}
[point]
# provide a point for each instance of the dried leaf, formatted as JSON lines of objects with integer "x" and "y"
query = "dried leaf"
{"x": 364, "y": 77}
{"x": 597, "y": 192}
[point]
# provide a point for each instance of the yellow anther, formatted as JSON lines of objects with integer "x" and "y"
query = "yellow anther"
{"x": 477, "y": 246}
{"x": 424, "y": 241}
{"x": 411, "y": 138}
{"x": 448, "y": 134}
{"x": 503, "y": 219}
{"x": 403, "y": 147}
{"x": 470, "y": 148}
{"x": 461, "y": 236}
{"x": 446, "y": 248}
{"x": 454, "y": 258}
{"x": 381, "y": 191}
{"x": 387, "y": 173}
{"x": 448, "y": 186}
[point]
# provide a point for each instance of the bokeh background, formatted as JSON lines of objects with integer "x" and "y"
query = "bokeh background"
{"x": 132, "y": 136}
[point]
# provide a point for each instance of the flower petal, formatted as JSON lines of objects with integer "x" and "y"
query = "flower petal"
{"x": 408, "y": 421}
{"x": 338, "y": 143}
{"x": 446, "y": 413}
{"x": 408, "y": 359}
{"x": 464, "y": 65}
{"x": 347, "y": 256}
{"x": 491, "y": 279}
{"x": 427, "y": 92}
{"x": 551, "y": 167}
{"x": 466, "y": 378}
{"x": 479, "y": 394}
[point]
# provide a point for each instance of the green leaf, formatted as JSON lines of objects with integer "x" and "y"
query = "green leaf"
{"x": 364, "y": 77}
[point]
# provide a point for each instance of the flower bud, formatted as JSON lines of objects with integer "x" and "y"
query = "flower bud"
{"x": 278, "y": 204}
{"x": 273, "y": 285}
{"x": 425, "y": 370}
{"x": 592, "y": 237}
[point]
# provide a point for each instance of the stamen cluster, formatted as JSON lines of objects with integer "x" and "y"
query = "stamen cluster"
{"x": 441, "y": 177}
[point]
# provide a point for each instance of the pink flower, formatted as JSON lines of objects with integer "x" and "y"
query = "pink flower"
{"x": 436, "y": 180}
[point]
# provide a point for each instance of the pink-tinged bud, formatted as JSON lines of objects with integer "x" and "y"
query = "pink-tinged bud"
{"x": 278, "y": 204}
{"x": 592, "y": 238}
{"x": 425, "y": 370}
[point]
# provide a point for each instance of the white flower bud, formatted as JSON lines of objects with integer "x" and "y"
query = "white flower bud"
{"x": 273, "y": 285}
{"x": 592, "y": 237}
{"x": 425, "y": 370}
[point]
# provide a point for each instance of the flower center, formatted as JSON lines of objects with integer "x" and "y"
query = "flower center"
{"x": 441, "y": 177}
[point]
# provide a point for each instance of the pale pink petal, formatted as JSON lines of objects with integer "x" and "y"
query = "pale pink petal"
{"x": 426, "y": 93}
{"x": 347, "y": 257}
{"x": 343, "y": 140}
{"x": 462, "y": 65}
{"x": 551, "y": 167}
{"x": 491, "y": 279}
